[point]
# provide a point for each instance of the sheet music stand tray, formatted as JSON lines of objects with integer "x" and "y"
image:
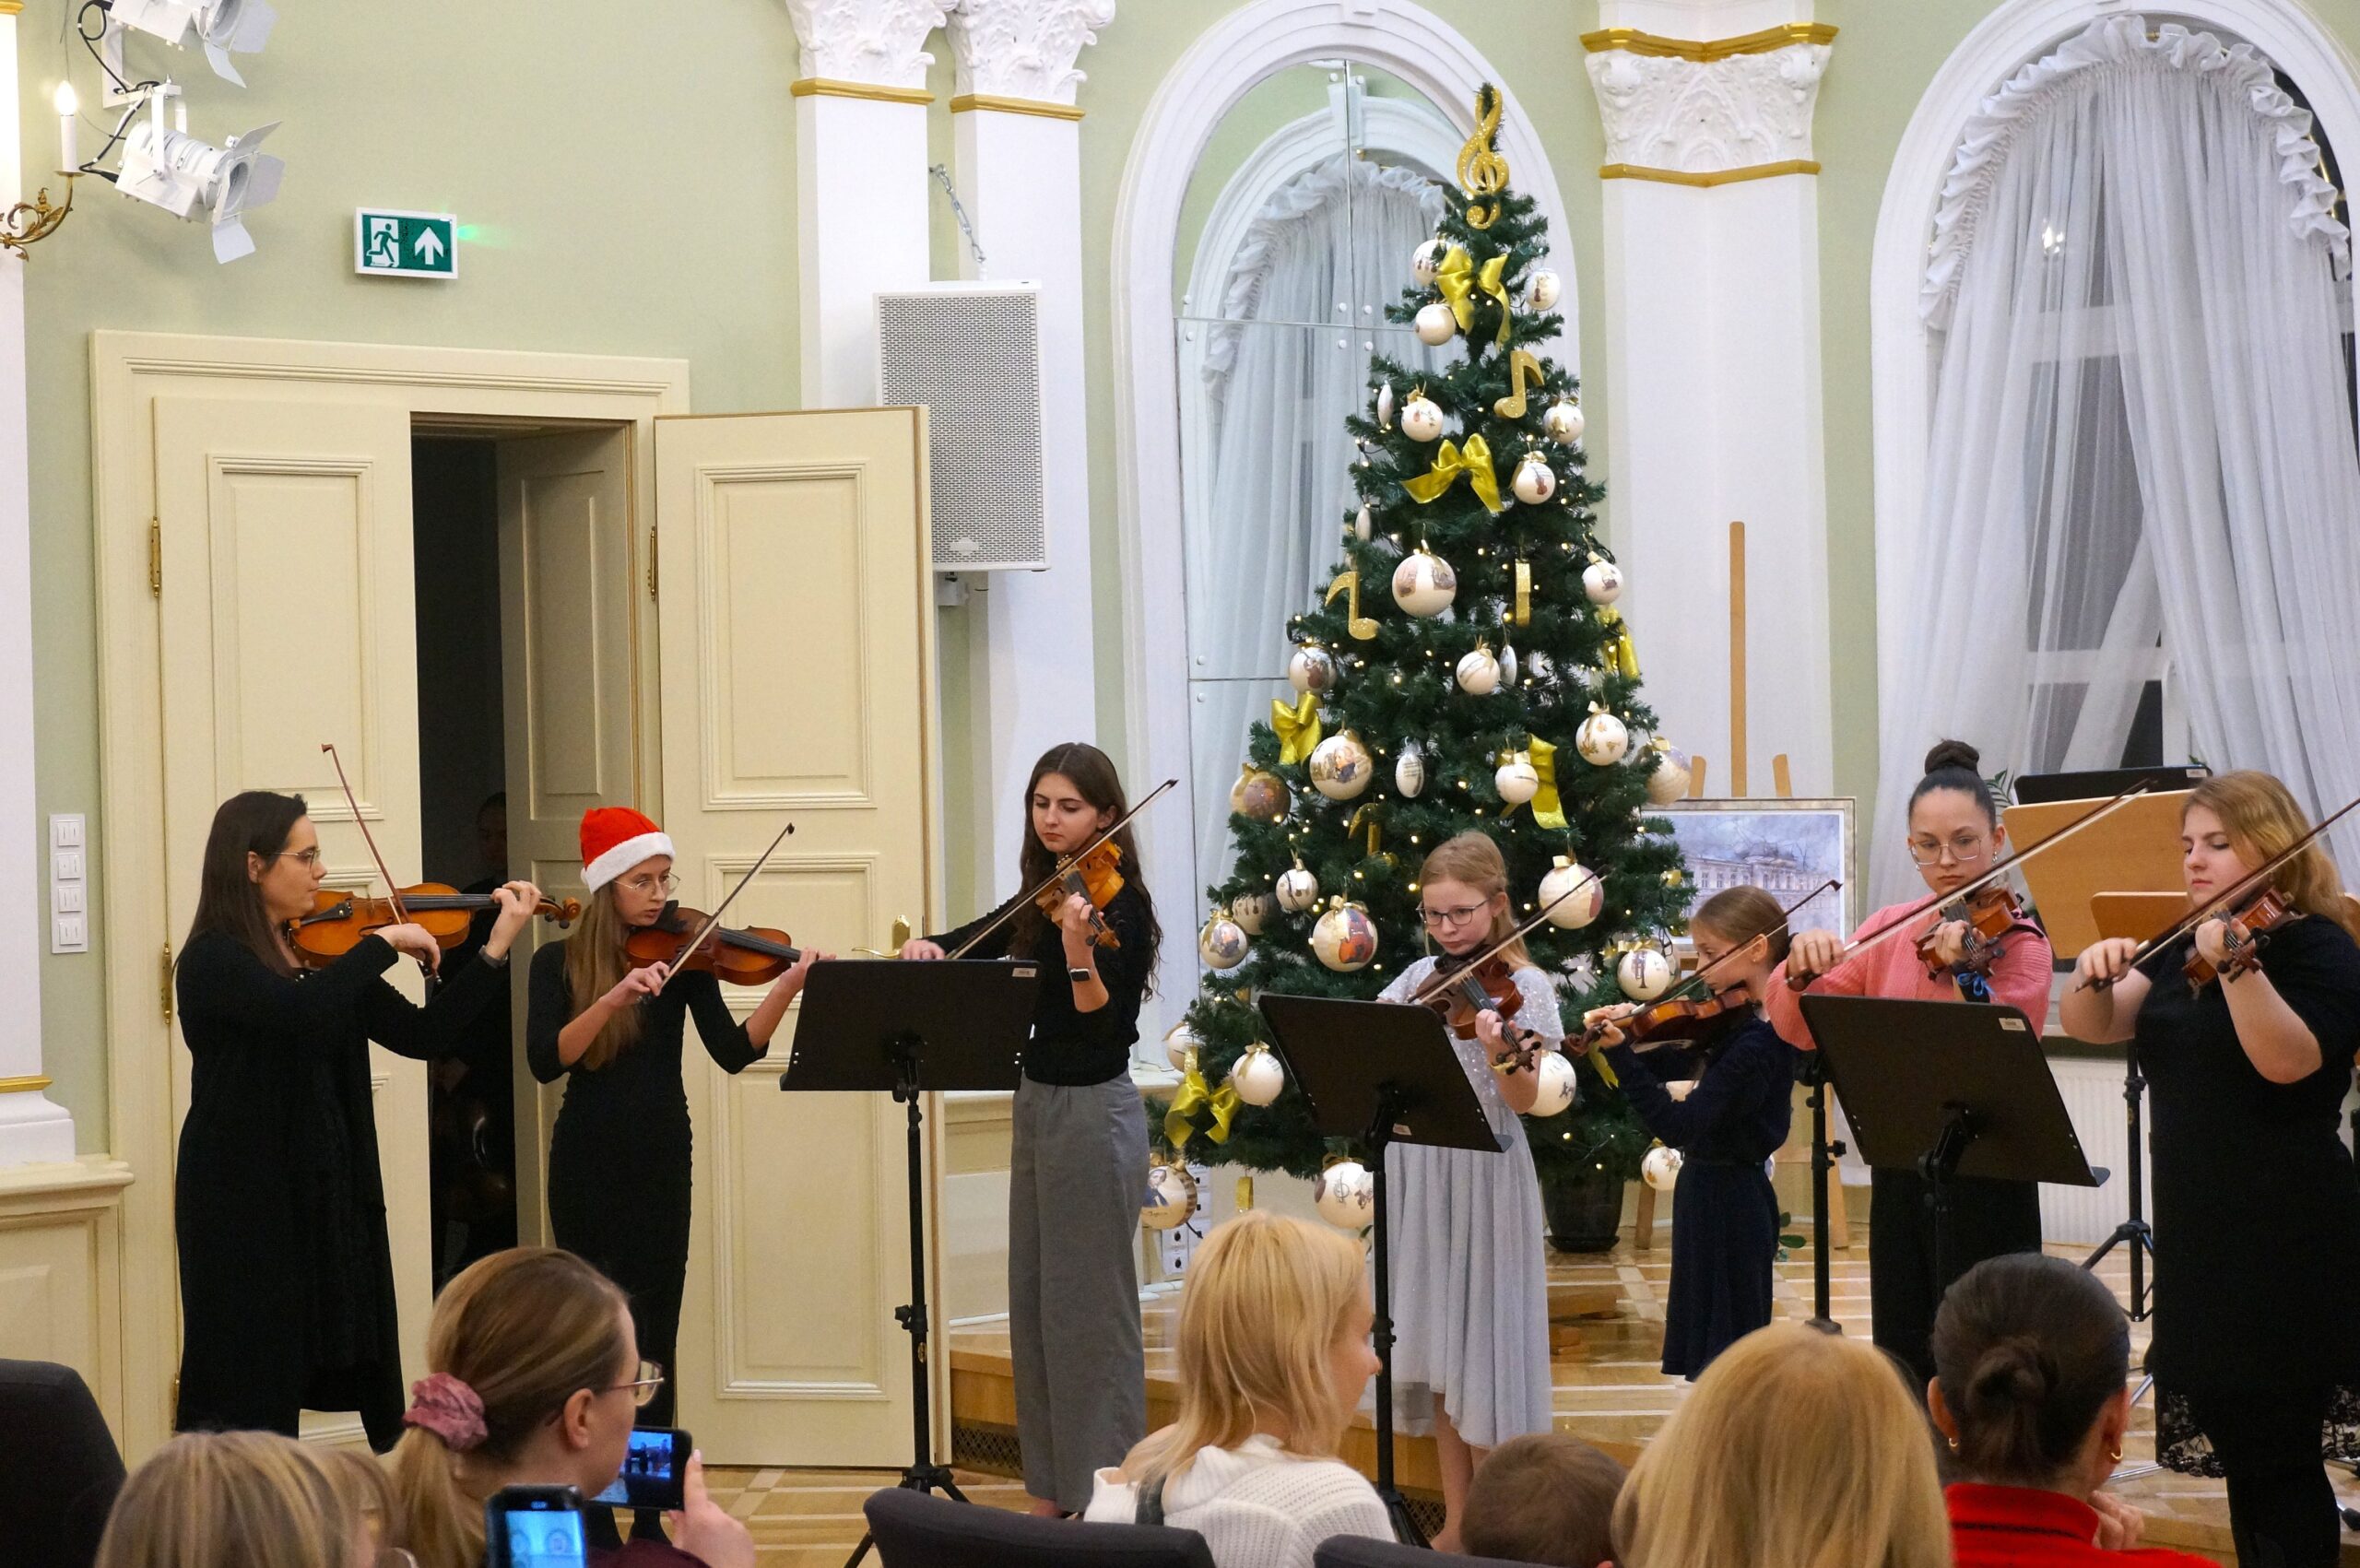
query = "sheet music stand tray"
{"x": 909, "y": 1030}
{"x": 2134, "y": 851}
{"x": 1379, "y": 1073}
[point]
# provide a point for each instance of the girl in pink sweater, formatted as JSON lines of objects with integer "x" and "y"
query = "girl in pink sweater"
{"x": 1954, "y": 836}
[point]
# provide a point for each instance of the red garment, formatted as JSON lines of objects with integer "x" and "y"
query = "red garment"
{"x": 643, "y": 1554}
{"x": 2018, "y": 1527}
{"x": 2019, "y": 979}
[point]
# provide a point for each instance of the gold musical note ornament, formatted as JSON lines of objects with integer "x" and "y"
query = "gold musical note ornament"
{"x": 1482, "y": 172}
{"x": 1359, "y": 625}
{"x": 1523, "y": 365}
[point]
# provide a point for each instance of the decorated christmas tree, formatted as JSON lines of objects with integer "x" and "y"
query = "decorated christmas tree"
{"x": 1466, "y": 668}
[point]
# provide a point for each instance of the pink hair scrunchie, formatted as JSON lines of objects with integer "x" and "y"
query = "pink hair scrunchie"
{"x": 448, "y": 1408}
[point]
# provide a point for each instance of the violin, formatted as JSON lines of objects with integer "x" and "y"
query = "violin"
{"x": 1097, "y": 877}
{"x": 1666, "y": 1016}
{"x": 2249, "y": 928}
{"x": 1989, "y": 914}
{"x": 339, "y": 921}
{"x": 754, "y": 955}
{"x": 1477, "y": 989}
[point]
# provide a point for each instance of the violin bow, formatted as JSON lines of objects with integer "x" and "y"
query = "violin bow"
{"x": 2244, "y": 885}
{"x": 1785, "y": 916}
{"x": 1935, "y": 900}
{"x": 393, "y": 890}
{"x": 743, "y": 883}
{"x": 1064, "y": 864}
{"x": 1439, "y": 979}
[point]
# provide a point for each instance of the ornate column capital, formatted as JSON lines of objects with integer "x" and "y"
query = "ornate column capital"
{"x": 867, "y": 42}
{"x": 1705, "y": 113}
{"x": 1024, "y": 49}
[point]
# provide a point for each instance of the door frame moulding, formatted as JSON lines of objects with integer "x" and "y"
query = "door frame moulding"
{"x": 129, "y": 370}
{"x": 1226, "y": 61}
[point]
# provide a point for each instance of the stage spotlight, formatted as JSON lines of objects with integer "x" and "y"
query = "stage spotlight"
{"x": 224, "y": 26}
{"x": 192, "y": 179}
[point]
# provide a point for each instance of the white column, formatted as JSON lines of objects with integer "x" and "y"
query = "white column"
{"x": 1712, "y": 293}
{"x": 1019, "y": 141}
{"x": 860, "y": 159}
{"x": 31, "y": 1127}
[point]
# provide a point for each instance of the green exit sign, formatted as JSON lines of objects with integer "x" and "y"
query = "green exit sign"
{"x": 405, "y": 245}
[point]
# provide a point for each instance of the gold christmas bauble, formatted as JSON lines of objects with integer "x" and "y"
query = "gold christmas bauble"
{"x": 1345, "y": 938}
{"x": 1340, "y": 767}
{"x": 1260, "y": 795}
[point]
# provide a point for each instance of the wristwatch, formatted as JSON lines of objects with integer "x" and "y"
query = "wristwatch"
{"x": 1077, "y": 973}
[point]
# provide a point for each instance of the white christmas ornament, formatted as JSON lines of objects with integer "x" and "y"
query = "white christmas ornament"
{"x": 1669, "y": 780}
{"x": 1222, "y": 943}
{"x": 1170, "y": 1197}
{"x": 1426, "y": 261}
{"x": 1345, "y": 1196}
{"x": 1507, "y": 664}
{"x": 1516, "y": 779}
{"x": 1409, "y": 773}
{"x": 1311, "y": 668}
{"x": 1298, "y": 889}
{"x": 1340, "y": 767}
{"x": 1602, "y": 582}
{"x": 1435, "y": 325}
{"x": 1423, "y": 583}
{"x": 1479, "y": 672}
{"x": 1345, "y": 938}
{"x": 1533, "y": 483}
{"x": 1257, "y": 1075}
{"x": 1602, "y": 740}
{"x": 1421, "y": 418}
{"x": 1251, "y": 912}
{"x": 1573, "y": 911}
{"x": 1178, "y": 1041}
{"x": 1543, "y": 289}
{"x": 1384, "y": 407}
{"x": 1661, "y": 1167}
{"x": 1563, "y": 422}
{"x": 1364, "y": 526}
{"x": 1558, "y": 1088}
{"x": 1643, "y": 975}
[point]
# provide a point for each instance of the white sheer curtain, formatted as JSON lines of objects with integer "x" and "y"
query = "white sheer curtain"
{"x": 2141, "y": 443}
{"x": 1264, "y": 531}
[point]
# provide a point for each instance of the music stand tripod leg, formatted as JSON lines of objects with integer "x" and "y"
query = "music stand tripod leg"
{"x": 1938, "y": 1166}
{"x": 1397, "y": 1507}
{"x": 1824, "y": 1155}
{"x": 2134, "y": 1231}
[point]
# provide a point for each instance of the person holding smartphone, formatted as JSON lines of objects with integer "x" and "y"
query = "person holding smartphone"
{"x": 535, "y": 1381}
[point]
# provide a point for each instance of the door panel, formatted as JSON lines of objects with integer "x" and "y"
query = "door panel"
{"x": 794, "y": 638}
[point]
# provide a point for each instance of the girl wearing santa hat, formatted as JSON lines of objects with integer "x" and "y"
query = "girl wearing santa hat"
{"x": 619, "y": 1155}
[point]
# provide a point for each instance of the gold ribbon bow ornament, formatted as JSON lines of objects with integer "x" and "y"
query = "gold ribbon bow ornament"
{"x": 1194, "y": 1099}
{"x": 1459, "y": 279}
{"x": 1622, "y": 654}
{"x": 1547, "y": 810}
{"x": 1474, "y": 460}
{"x": 1297, "y": 727}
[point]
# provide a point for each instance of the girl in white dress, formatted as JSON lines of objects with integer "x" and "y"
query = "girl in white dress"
{"x": 1470, "y": 1289}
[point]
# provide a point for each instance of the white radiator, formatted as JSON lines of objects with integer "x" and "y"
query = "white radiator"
{"x": 2092, "y": 1093}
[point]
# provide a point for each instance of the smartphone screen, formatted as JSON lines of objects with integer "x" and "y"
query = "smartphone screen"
{"x": 654, "y": 1470}
{"x": 536, "y": 1526}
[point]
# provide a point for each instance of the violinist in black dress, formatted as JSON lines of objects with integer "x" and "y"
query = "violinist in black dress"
{"x": 1727, "y": 1123}
{"x": 287, "y": 1280}
{"x": 2256, "y": 1352}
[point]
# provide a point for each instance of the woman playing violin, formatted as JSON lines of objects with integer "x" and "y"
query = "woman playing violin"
{"x": 1726, "y": 1125}
{"x": 1471, "y": 1290}
{"x": 1954, "y": 836}
{"x": 619, "y": 1178}
{"x": 2257, "y": 1325}
{"x": 287, "y": 1281}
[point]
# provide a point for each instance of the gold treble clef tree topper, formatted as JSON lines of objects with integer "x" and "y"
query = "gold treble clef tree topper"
{"x": 1482, "y": 172}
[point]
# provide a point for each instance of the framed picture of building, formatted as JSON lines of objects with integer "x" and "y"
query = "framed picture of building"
{"x": 1784, "y": 847}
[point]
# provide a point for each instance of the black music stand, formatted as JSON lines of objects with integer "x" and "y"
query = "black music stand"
{"x": 1825, "y": 1152}
{"x": 1948, "y": 1090}
{"x": 1379, "y": 1073}
{"x": 911, "y": 1028}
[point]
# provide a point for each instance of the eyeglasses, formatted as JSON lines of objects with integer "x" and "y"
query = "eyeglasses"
{"x": 309, "y": 857}
{"x": 666, "y": 882}
{"x": 1966, "y": 849}
{"x": 1436, "y": 919}
{"x": 643, "y": 1387}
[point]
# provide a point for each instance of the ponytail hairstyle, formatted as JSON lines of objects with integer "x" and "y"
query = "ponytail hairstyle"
{"x": 1954, "y": 764}
{"x": 1091, "y": 774}
{"x": 525, "y": 1330}
{"x": 2029, "y": 1350}
{"x": 1472, "y": 858}
{"x": 2263, "y": 819}
{"x": 253, "y": 822}
{"x": 1738, "y": 914}
{"x": 594, "y": 959}
{"x": 231, "y": 1500}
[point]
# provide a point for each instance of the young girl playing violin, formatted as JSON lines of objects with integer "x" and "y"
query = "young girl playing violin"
{"x": 1078, "y": 1162}
{"x": 1470, "y": 1289}
{"x": 1954, "y": 836}
{"x": 2257, "y": 1325}
{"x": 619, "y": 1176}
{"x": 287, "y": 1281}
{"x": 1726, "y": 1124}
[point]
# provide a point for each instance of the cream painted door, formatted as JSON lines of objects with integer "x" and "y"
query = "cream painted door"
{"x": 795, "y": 635}
{"x": 286, "y": 619}
{"x": 568, "y": 598}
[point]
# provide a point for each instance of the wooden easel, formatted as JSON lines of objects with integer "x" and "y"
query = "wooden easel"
{"x": 1794, "y": 1152}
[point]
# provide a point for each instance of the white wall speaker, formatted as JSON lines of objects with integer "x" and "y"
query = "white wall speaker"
{"x": 971, "y": 353}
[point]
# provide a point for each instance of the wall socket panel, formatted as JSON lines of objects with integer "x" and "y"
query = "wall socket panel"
{"x": 69, "y": 885}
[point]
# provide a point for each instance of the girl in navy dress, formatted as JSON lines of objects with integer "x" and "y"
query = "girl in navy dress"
{"x": 1725, "y": 1125}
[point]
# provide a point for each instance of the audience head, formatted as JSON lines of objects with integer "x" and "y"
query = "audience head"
{"x": 1273, "y": 1337}
{"x": 1796, "y": 1449}
{"x": 235, "y": 1499}
{"x": 1545, "y": 1497}
{"x": 2032, "y": 1357}
{"x": 531, "y": 1359}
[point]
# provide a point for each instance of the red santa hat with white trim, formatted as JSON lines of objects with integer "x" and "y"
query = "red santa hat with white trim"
{"x": 615, "y": 839}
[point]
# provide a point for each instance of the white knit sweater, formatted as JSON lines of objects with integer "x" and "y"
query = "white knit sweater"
{"x": 1257, "y": 1505}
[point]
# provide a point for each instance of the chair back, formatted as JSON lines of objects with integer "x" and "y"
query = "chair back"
{"x": 1362, "y": 1551}
{"x": 916, "y": 1529}
{"x": 56, "y": 1444}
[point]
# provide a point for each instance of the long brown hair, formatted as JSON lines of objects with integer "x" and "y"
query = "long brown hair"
{"x": 2029, "y": 1350}
{"x": 1091, "y": 774}
{"x": 526, "y": 1329}
{"x": 230, "y": 1500}
{"x": 594, "y": 959}
{"x": 2262, "y": 818}
{"x": 1472, "y": 858}
{"x": 1738, "y": 914}
{"x": 254, "y": 822}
